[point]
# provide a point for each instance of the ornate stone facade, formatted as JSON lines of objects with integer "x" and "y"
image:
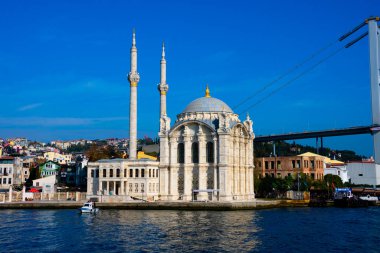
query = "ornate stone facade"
{"x": 207, "y": 154}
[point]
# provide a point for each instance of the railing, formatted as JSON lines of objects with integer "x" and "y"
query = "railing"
{"x": 38, "y": 196}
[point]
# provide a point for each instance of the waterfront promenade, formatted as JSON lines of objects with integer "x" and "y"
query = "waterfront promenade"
{"x": 158, "y": 205}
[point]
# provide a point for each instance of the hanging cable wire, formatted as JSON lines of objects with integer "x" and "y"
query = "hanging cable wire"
{"x": 292, "y": 69}
{"x": 295, "y": 78}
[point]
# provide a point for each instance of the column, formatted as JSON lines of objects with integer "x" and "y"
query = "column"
{"x": 100, "y": 185}
{"x": 164, "y": 182}
{"x": 188, "y": 169}
{"x": 23, "y": 193}
{"x": 241, "y": 165}
{"x": 108, "y": 187}
{"x": 10, "y": 194}
{"x": 236, "y": 165}
{"x": 164, "y": 165}
{"x": 215, "y": 163}
{"x": 246, "y": 166}
{"x": 224, "y": 166}
{"x": 173, "y": 191}
{"x": 121, "y": 188}
{"x": 173, "y": 171}
{"x": 202, "y": 177}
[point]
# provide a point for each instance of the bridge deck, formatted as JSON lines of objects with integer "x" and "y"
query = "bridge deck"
{"x": 315, "y": 134}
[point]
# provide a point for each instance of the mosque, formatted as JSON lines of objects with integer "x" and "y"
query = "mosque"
{"x": 206, "y": 155}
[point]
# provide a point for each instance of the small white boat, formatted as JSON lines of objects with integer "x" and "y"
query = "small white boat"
{"x": 89, "y": 207}
{"x": 369, "y": 198}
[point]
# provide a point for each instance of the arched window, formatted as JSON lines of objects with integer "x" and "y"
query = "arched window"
{"x": 210, "y": 152}
{"x": 117, "y": 172}
{"x": 130, "y": 172}
{"x": 142, "y": 172}
{"x": 136, "y": 172}
{"x": 111, "y": 172}
{"x": 181, "y": 153}
{"x": 195, "y": 152}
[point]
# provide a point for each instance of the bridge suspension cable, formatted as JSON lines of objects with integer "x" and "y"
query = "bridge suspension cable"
{"x": 303, "y": 62}
{"x": 289, "y": 71}
{"x": 295, "y": 78}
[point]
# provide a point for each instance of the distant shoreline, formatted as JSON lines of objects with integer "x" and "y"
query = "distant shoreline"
{"x": 159, "y": 205}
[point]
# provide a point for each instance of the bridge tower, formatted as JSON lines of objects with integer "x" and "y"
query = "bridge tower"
{"x": 374, "y": 57}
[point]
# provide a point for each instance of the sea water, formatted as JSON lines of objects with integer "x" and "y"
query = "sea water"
{"x": 271, "y": 230}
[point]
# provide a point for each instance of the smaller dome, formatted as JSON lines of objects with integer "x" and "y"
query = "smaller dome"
{"x": 207, "y": 104}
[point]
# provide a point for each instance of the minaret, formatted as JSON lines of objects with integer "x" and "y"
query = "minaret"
{"x": 133, "y": 78}
{"x": 163, "y": 86}
{"x": 164, "y": 133}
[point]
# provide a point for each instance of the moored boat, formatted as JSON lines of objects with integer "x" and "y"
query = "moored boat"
{"x": 343, "y": 197}
{"x": 372, "y": 200}
{"x": 89, "y": 207}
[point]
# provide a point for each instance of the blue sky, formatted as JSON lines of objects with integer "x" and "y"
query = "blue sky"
{"x": 63, "y": 65}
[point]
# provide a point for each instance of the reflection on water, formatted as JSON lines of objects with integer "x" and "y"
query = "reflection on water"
{"x": 274, "y": 230}
{"x": 125, "y": 230}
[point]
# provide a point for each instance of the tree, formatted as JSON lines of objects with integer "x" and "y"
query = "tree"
{"x": 95, "y": 152}
{"x": 333, "y": 181}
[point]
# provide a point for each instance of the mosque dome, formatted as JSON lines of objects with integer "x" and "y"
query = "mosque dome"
{"x": 207, "y": 104}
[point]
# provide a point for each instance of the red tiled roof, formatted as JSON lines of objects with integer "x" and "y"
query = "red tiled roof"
{"x": 6, "y": 158}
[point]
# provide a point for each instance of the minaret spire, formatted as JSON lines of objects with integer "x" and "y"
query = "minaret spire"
{"x": 133, "y": 37}
{"x": 133, "y": 78}
{"x": 163, "y": 86}
{"x": 163, "y": 51}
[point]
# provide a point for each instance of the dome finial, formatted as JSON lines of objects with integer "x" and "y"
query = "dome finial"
{"x": 207, "y": 92}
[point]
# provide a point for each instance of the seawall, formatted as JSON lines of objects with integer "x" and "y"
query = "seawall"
{"x": 213, "y": 206}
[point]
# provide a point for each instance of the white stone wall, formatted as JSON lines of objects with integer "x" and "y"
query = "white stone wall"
{"x": 364, "y": 173}
{"x": 114, "y": 178}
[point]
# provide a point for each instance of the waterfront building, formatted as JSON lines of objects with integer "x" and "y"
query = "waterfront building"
{"x": 6, "y": 171}
{"x": 340, "y": 171}
{"x": 207, "y": 154}
{"x": 364, "y": 173}
{"x": 47, "y": 184}
{"x": 49, "y": 168}
{"x": 337, "y": 168}
{"x": 28, "y": 162}
{"x": 81, "y": 170}
{"x": 67, "y": 174}
{"x": 311, "y": 164}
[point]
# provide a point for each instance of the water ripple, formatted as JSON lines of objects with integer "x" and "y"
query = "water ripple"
{"x": 275, "y": 230}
